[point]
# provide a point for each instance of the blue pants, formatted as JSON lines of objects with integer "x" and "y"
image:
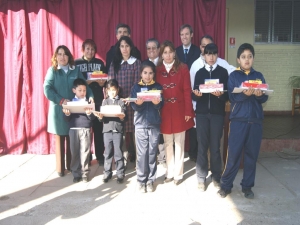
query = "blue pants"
{"x": 242, "y": 136}
{"x": 113, "y": 147}
{"x": 147, "y": 146}
{"x": 209, "y": 133}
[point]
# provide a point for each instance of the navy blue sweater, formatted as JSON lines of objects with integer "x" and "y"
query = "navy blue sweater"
{"x": 243, "y": 107}
{"x": 208, "y": 103}
{"x": 80, "y": 120}
{"x": 146, "y": 115}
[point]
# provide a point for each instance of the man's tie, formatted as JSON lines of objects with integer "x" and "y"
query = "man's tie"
{"x": 185, "y": 54}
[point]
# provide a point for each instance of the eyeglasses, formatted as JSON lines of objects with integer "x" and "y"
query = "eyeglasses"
{"x": 151, "y": 48}
{"x": 165, "y": 74}
{"x": 171, "y": 85}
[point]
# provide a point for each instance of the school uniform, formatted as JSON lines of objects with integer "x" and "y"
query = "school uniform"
{"x": 147, "y": 122}
{"x": 245, "y": 134}
{"x": 210, "y": 112}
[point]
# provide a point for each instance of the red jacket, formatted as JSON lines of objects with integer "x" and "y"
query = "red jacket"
{"x": 178, "y": 101}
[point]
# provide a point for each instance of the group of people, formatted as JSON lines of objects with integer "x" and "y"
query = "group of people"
{"x": 161, "y": 126}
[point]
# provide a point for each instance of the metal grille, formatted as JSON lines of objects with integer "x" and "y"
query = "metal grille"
{"x": 277, "y": 21}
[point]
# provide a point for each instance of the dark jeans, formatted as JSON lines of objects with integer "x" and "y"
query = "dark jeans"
{"x": 193, "y": 143}
{"x": 209, "y": 133}
{"x": 98, "y": 139}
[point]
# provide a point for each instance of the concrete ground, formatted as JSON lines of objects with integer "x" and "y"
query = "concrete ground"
{"x": 32, "y": 193}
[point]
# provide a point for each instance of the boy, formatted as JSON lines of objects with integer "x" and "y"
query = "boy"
{"x": 80, "y": 134}
{"x": 245, "y": 124}
{"x": 210, "y": 111}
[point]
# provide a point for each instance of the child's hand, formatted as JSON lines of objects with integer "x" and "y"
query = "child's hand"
{"x": 258, "y": 92}
{"x": 66, "y": 112}
{"x": 99, "y": 115}
{"x": 125, "y": 102}
{"x": 197, "y": 93}
{"x": 91, "y": 100}
{"x": 139, "y": 101}
{"x": 249, "y": 92}
{"x": 88, "y": 111}
{"x": 121, "y": 116}
{"x": 156, "y": 101}
{"x": 217, "y": 93}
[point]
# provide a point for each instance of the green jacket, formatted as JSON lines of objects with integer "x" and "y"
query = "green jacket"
{"x": 58, "y": 85}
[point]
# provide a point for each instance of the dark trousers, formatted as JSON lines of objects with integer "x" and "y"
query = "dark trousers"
{"x": 62, "y": 147}
{"x": 113, "y": 148}
{"x": 209, "y": 133}
{"x": 80, "y": 145}
{"x": 193, "y": 143}
{"x": 98, "y": 139}
{"x": 243, "y": 136}
{"x": 147, "y": 146}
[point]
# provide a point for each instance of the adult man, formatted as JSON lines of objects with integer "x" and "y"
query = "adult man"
{"x": 152, "y": 46}
{"x": 187, "y": 52}
{"x": 121, "y": 30}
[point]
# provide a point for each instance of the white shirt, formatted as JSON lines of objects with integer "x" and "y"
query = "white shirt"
{"x": 154, "y": 61}
{"x": 188, "y": 48}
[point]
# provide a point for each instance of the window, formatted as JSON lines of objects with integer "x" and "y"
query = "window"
{"x": 277, "y": 21}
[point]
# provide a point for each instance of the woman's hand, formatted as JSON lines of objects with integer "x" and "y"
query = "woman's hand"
{"x": 139, "y": 101}
{"x": 156, "y": 101}
{"x": 217, "y": 93}
{"x": 249, "y": 91}
{"x": 67, "y": 112}
{"x": 91, "y": 100}
{"x": 197, "y": 93}
{"x": 187, "y": 118}
{"x": 65, "y": 101}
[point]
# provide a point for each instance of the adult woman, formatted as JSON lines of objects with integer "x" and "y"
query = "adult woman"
{"x": 125, "y": 68}
{"x": 58, "y": 89}
{"x": 177, "y": 113}
{"x": 88, "y": 63}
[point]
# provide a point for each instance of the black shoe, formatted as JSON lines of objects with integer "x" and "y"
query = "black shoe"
{"x": 142, "y": 188}
{"x": 202, "y": 186}
{"x": 217, "y": 184}
{"x": 85, "y": 180}
{"x": 76, "y": 179}
{"x": 106, "y": 177}
{"x": 168, "y": 180}
{"x": 120, "y": 180}
{"x": 61, "y": 174}
{"x": 177, "y": 182}
{"x": 150, "y": 187}
{"x": 248, "y": 193}
{"x": 223, "y": 193}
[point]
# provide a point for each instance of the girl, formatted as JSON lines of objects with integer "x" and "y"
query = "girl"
{"x": 113, "y": 133}
{"x": 147, "y": 127}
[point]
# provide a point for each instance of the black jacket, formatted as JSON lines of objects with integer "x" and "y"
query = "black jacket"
{"x": 193, "y": 54}
{"x": 208, "y": 103}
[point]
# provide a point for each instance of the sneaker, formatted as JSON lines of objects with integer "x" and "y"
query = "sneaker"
{"x": 85, "y": 180}
{"x": 216, "y": 184}
{"x": 120, "y": 180}
{"x": 202, "y": 186}
{"x": 150, "y": 187}
{"x": 106, "y": 177}
{"x": 142, "y": 188}
{"x": 76, "y": 179}
{"x": 248, "y": 193}
{"x": 223, "y": 193}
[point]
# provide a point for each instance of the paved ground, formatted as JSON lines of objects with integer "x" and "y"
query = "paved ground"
{"x": 32, "y": 193}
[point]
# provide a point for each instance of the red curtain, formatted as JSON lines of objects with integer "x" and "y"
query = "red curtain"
{"x": 32, "y": 29}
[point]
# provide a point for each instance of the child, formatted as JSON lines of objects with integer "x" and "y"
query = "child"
{"x": 80, "y": 134}
{"x": 246, "y": 124}
{"x": 210, "y": 111}
{"x": 147, "y": 127}
{"x": 113, "y": 133}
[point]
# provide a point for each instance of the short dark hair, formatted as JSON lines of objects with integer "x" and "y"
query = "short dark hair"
{"x": 78, "y": 82}
{"x": 207, "y": 37}
{"x": 150, "y": 64}
{"x": 123, "y": 25}
{"x": 89, "y": 42}
{"x": 211, "y": 49}
{"x": 186, "y": 26}
{"x": 243, "y": 47}
{"x": 153, "y": 40}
